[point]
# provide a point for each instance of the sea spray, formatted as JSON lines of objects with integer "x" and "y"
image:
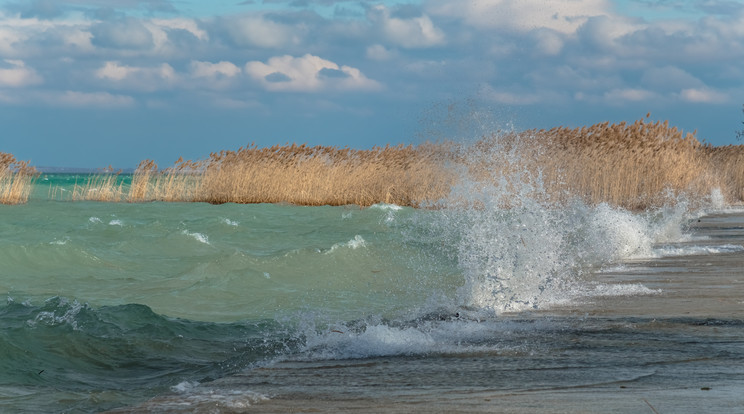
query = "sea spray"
{"x": 521, "y": 248}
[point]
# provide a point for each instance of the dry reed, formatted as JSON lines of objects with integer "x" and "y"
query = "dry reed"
{"x": 16, "y": 179}
{"x": 635, "y": 166}
{"x": 105, "y": 186}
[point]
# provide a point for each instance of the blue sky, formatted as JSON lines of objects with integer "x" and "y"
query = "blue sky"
{"x": 90, "y": 83}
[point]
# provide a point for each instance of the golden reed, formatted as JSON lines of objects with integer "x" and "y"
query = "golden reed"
{"x": 635, "y": 166}
{"x": 16, "y": 178}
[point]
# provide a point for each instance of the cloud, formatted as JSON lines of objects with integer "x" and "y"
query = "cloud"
{"x": 379, "y": 52}
{"x": 123, "y": 34}
{"x": 415, "y": 32}
{"x": 138, "y": 77}
{"x": 257, "y": 31}
{"x": 214, "y": 70}
{"x": 214, "y": 75}
{"x": 522, "y": 15}
{"x": 188, "y": 25}
{"x": 307, "y": 73}
{"x": 703, "y": 95}
{"x": 669, "y": 78}
{"x": 45, "y": 9}
{"x": 15, "y": 73}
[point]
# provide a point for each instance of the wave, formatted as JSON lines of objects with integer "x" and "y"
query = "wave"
{"x": 64, "y": 347}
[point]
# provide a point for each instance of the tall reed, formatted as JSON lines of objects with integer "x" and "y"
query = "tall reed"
{"x": 636, "y": 165}
{"x": 104, "y": 186}
{"x": 16, "y": 179}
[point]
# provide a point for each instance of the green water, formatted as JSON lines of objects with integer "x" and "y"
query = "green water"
{"x": 216, "y": 263}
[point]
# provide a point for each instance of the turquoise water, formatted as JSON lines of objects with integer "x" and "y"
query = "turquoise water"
{"x": 112, "y": 305}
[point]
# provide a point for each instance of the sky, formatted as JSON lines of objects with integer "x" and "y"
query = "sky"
{"x": 92, "y": 83}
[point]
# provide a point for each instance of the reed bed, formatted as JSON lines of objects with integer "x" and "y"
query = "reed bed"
{"x": 16, "y": 179}
{"x": 634, "y": 165}
{"x": 298, "y": 174}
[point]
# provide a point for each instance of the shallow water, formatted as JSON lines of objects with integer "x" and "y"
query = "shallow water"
{"x": 276, "y": 308}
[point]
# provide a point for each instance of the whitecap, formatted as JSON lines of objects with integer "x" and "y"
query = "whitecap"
{"x": 386, "y": 207}
{"x": 197, "y": 236}
{"x": 354, "y": 244}
{"x": 184, "y": 386}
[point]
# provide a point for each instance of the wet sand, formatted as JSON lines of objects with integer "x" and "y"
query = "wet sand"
{"x": 677, "y": 351}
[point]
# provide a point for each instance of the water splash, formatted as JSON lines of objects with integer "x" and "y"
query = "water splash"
{"x": 520, "y": 248}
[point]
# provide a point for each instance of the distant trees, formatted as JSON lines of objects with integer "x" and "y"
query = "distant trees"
{"x": 740, "y": 134}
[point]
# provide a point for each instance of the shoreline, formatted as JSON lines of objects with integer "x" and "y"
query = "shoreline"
{"x": 698, "y": 310}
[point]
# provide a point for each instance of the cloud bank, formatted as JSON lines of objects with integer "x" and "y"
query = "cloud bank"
{"x": 358, "y": 57}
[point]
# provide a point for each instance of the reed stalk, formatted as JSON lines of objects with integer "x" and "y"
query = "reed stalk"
{"x": 16, "y": 179}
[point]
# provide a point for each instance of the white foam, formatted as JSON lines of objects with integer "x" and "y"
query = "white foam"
{"x": 353, "y": 244}
{"x": 65, "y": 313}
{"x": 197, "y": 236}
{"x": 386, "y": 207}
{"x": 230, "y": 222}
{"x": 619, "y": 268}
{"x": 197, "y": 397}
{"x": 95, "y": 220}
{"x": 116, "y": 222}
{"x": 668, "y": 251}
{"x": 631, "y": 289}
{"x": 454, "y": 336}
{"x": 184, "y": 386}
{"x": 375, "y": 340}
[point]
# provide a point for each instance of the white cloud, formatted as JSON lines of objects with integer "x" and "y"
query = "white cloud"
{"x": 247, "y": 31}
{"x": 564, "y": 16}
{"x": 114, "y": 71}
{"x": 162, "y": 32}
{"x": 214, "y": 70}
{"x": 379, "y": 52}
{"x": 215, "y": 75}
{"x": 188, "y": 25}
{"x": 308, "y": 73}
{"x": 16, "y": 74}
{"x": 144, "y": 78}
{"x": 9, "y": 37}
{"x": 78, "y": 38}
{"x": 129, "y": 34}
{"x": 417, "y": 32}
{"x": 549, "y": 42}
{"x": 703, "y": 95}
